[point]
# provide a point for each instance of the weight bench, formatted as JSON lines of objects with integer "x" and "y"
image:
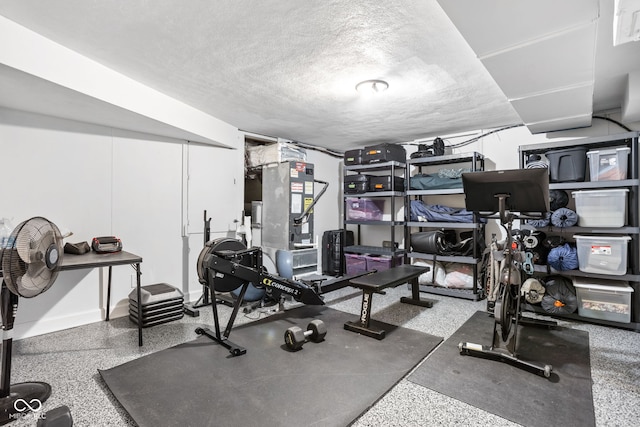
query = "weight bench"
{"x": 376, "y": 283}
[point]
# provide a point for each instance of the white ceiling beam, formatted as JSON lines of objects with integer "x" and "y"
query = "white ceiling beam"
{"x": 35, "y": 55}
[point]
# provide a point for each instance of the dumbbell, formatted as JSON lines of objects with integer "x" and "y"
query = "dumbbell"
{"x": 295, "y": 337}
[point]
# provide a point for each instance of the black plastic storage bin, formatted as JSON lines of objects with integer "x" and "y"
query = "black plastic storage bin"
{"x": 568, "y": 165}
{"x": 356, "y": 184}
{"x": 353, "y": 157}
{"x": 383, "y": 183}
{"x": 384, "y": 153}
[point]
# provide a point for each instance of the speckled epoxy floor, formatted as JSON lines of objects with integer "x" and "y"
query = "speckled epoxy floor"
{"x": 69, "y": 360}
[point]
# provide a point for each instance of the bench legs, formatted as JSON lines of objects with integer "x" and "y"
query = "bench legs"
{"x": 415, "y": 296}
{"x": 362, "y": 325}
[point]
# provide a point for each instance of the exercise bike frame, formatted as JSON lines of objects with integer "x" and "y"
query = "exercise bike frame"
{"x": 497, "y": 351}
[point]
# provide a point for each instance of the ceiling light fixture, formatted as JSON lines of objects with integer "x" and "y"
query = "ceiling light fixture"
{"x": 372, "y": 86}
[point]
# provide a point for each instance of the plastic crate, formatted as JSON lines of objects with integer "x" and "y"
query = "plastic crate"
{"x": 355, "y": 263}
{"x": 364, "y": 209}
{"x": 568, "y": 165}
{"x": 602, "y": 254}
{"x": 601, "y": 208}
{"x": 609, "y": 164}
{"x": 381, "y": 263}
{"x": 603, "y": 299}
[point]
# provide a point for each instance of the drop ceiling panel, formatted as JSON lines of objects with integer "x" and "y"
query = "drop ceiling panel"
{"x": 560, "y": 124}
{"x": 493, "y": 25}
{"x": 555, "y": 105}
{"x": 563, "y": 61}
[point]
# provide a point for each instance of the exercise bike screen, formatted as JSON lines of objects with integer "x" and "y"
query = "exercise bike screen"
{"x": 527, "y": 190}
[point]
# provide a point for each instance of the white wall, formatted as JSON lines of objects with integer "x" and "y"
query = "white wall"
{"x": 216, "y": 185}
{"x": 327, "y": 213}
{"x": 328, "y": 209}
{"x": 94, "y": 181}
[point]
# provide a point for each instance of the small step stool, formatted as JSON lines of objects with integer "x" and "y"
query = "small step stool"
{"x": 160, "y": 303}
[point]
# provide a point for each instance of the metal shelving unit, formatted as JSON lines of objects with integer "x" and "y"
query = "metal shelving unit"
{"x": 476, "y": 160}
{"x": 392, "y": 168}
{"x": 632, "y": 228}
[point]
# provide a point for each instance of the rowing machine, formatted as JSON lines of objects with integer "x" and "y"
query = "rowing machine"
{"x": 225, "y": 265}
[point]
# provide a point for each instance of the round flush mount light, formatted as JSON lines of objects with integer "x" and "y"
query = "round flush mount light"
{"x": 372, "y": 86}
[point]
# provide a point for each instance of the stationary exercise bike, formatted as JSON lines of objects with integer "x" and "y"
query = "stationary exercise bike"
{"x": 505, "y": 192}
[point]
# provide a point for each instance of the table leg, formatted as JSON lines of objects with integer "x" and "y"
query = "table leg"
{"x": 106, "y": 317}
{"x": 139, "y": 291}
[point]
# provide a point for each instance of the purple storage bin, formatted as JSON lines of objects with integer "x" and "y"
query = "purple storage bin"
{"x": 380, "y": 263}
{"x": 364, "y": 209}
{"x": 355, "y": 263}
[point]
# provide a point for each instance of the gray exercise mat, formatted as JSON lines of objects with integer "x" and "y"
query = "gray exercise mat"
{"x": 565, "y": 399}
{"x": 324, "y": 384}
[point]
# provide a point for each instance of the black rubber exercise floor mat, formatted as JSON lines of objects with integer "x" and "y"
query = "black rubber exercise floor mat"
{"x": 564, "y": 399}
{"x": 325, "y": 384}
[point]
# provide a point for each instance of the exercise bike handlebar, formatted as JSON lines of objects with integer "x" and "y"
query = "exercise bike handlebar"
{"x": 505, "y": 215}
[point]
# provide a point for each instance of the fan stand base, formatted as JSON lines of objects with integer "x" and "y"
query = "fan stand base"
{"x": 23, "y": 399}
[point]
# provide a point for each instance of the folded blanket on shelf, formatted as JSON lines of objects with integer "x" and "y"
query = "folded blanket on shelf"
{"x": 439, "y": 213}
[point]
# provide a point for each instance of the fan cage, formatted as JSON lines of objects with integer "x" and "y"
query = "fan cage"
{"x": 31, "y": 264}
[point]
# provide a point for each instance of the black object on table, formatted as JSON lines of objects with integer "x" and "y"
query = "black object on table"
{"x": 94, "y": 260}
{"x": 376, "y": 283}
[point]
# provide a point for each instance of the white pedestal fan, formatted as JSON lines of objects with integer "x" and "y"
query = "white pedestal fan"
{"x": 29, "y": 265}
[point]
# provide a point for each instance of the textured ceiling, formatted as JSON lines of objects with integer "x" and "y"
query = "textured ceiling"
{"x": 287, "y": 68}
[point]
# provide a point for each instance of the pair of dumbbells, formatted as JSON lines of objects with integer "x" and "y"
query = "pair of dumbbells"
{"x": 295, "y": 337}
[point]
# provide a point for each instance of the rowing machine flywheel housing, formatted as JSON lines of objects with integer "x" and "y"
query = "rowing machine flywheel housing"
{"x": 224, "y": 282}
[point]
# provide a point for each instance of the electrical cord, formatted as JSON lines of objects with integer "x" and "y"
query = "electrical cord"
{"x": 612, "y": 121}
{"x": 320, "y": 149}
{"x": 477, "y": 138}
{"x": 339, "y": 155}
{"x": 469, "y": 141}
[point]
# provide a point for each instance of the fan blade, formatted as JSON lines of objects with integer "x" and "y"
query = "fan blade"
{"x": 24, "y": 241}
{"x": 12, "y": 268}
{"x": 36, "y": 280}
{"x": 36, "y": 269}
{"x": 34, "y": 238}
{"x": 39, "y": 251}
